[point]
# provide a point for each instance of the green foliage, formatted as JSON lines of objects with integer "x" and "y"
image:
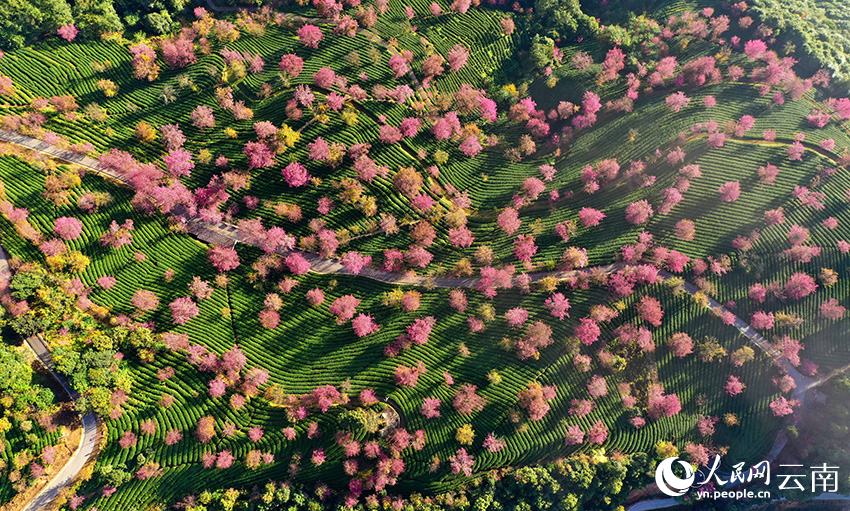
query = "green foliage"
{"x": 822, "y": 26}
{"x": 563, "y": 19}
{"x": 15, "y": 373}
{"x": 22, "y": 21}
{"x": 94, "y": 17}
{"x": 159, "y": 22}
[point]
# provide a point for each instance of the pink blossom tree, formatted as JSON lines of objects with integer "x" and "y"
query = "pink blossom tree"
{"x": 457, "y": 57}
{"x": 68, "y": 228}
{"x": 734, "y": 386}
{"x": 730, "y": 191}
{"x": 781, "y": 407}
{"x": 677, "y": 101}
{"x": 223, "y": 258}
{"x": 508, "y": 220}
{"x": 639, "y": 212}
{"x": 800, "y": 285}
{"x": 558, "y": 305}
{"x": 202, "y": 117}
{"x": 344, "y": 308}
{"x": 680, "y": 344}
{"x": 67, "y": 32}
{"x": 534, "y": 400}
{"x": 144, "y": 300}
{"x": 590, "y": 217}
{"x": 587, "y": 331}
{"x": 430, "y": 408}
{"x": 649, "y": 310}
{"x": 755, "y": 49}
{"x": 183, "y": 309}
{"x": 364, "y": 324}
{"x": 310, "y": 35}
{"x": 574, "y": 436}
{"x": 291, "y": 65}
{"x": 761, "y": 320}
{"x": 467, "y": 401}
{"x": 178, "y": 162}
{"x": 178, "y": 51}
{"x": 831, "y": 310}
{"x": 172, "y": 137}
{"x": 598, "y": 433}
{"x": 259, "y": 155}
{"x": 462, "y": 462}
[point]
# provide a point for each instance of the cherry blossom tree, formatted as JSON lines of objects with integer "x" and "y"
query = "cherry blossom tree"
{"x": 223, "y": 258}
{"x": 534, "y": 400}
{"x": 172, "y": 137}
{"x": 677, "y": 101}
{"x": 587, "y": 331}
{"x": 590, "y": 217}
{"x": 467, "y": 401}
{"x": 408, "y": 376}
{"x": 183, "y": 309}
{"x": 661, "y": 405}
{"x": 269, "y": 319}
{"x": 127, "y": 440}
{"x": 800, "y": 285}
{"x": 755, "y": 49}
{"x": 178, "y": 51}
{"x": 761, "y": 320}
{"x": 310, "y": 35}
{"x": 457, "y": 300}
{"x": 508, "y": 220}
{"x": 558, "y": 306}
{"x": 516, "y": 316}
{"x": 178, "y": 162}
{"x": 734, "y": 386}
{"x": 598, "y": 433}
{"x": 430, "y": 408}
{"x": 67, "y": 32}
{"x": 291, "y": 65}
{"x": 259, "y": 155}
{"x": 205, "y": 430}
{"x": 364, "y": 324}
{"x": 68, "y": 228}
{"x": 344, "y": 308}
{"x": 831, "y": 310}
{"x": 462, "y": 462}
{"x": 795, "y": 151}
{"x": 202, "y": 117}
{"x": 639, "y": 212}
{"x": 457, "y": 57}
{"x": 649, "y": 310}
{"x": 144, "y": 62}
{"x": 597, "y": 387}
{"x": 574, "y": 436}
{"x": 781, "y": 407}
{"x": 524, "y": 247}
{"x": 144, "y": 300}
{"x": 685, "y": 229}
{"x": 730, "y": 191}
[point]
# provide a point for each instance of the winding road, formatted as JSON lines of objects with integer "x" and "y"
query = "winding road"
{"x": 88, "y": 441}
{"x": 227, "y": 234}
{"x": 84, "y": 451}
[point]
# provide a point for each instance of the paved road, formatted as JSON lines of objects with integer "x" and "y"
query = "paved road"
{"x": 69, "y": 471}
{"x": 224, "y": 233}
{"x": 89, "y": 440}
{"x": 87, "y": 444}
